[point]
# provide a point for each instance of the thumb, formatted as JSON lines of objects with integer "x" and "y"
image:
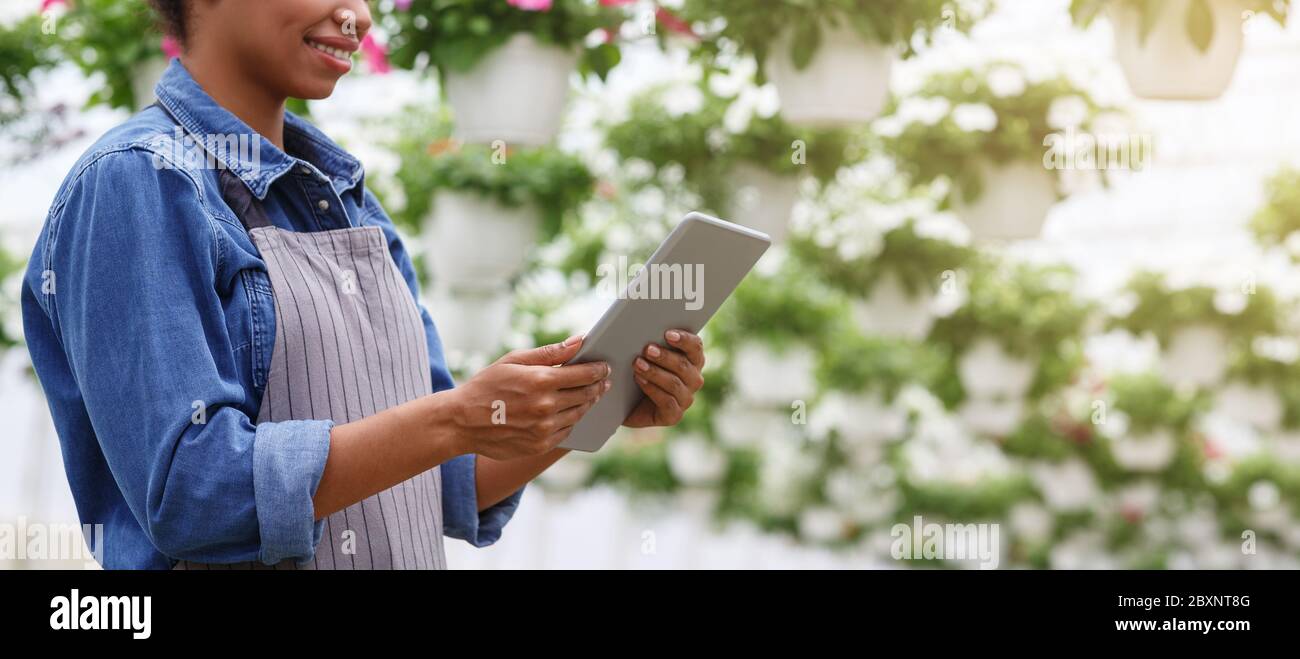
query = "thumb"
{"x": 547, "y": 355}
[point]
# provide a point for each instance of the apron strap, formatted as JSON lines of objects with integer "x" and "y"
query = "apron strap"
{"x": 235, "y": 193}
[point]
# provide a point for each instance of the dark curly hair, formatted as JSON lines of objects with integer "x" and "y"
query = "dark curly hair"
{"x": 171, "y": 15}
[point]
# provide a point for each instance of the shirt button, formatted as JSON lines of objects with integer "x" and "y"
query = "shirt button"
{"x": 305, "y": 170}
{"x": 323, "y": 204}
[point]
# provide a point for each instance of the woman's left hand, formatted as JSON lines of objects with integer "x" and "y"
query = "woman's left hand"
{"x": 669, "y": 375}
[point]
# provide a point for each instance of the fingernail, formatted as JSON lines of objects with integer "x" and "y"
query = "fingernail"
{"x": 652, "y": 350}
{"x": 673, "y": 335}
{"x": 642, "y": 365}
{"x": 608, "y": 384}
{"x": 572, "y": 340}
{"x": 609, "y": 370}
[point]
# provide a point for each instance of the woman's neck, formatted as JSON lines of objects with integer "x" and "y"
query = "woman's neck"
{"x": 240, "y": 94}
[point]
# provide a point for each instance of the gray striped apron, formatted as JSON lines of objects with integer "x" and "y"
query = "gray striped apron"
{"x": 349, "y": 342}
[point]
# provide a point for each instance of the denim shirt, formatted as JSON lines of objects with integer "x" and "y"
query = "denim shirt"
{"x": 150, "y": 321}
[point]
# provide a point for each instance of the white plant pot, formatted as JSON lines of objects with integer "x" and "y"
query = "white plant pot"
{"x": 1150, "y": 452}
{"x": 1168, "y": 65}
{"x": 846, "y": 83}
{"x": 764, "y": 200}
{"x": 475, "y": 242}
{"x": 987, "y": 372}
{"x": 145, "y": 77}
{"x": 995, "y": 418}
{"x": 516, "y": 94}
{"x": 766, "y": 377}
{"x": 569, "y": 474}
{"x": 889, "y": 310}
{"x": 741, "y": 425}
{"x": 1014, "y": 204}
{"x": 1197, "y": 356}
{"x": 860, "y": 419}
{"x": 695, "y": 462}
{"x": 1258, "y": 406}
{"x": 473, "y": 321}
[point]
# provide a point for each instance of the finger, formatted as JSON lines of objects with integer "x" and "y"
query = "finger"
{"x": 572, "y": 416}
{"x": 677, "y": 362}
{"x": 689, "y": 343}
{"x": 665, "y": 403}
{"x": 568, "y": 398}
{"x": 666, "y": 381}
{"x": 577, "y": 375}
{"x": 547, "y": 355}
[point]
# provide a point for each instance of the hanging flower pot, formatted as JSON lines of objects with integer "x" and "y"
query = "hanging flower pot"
{"x": 1188, "y": 51}
{"x": 1148, "y": 452}
{"x": 472, "y": 321}
{"x": 890, "y": 310}
{"x": 995, "y": 418}
{"x": 1014, "y": 202}
{"x": 767, "y": 376}
{"x": 845, "y": 83}
{"x": 695, "y": 462}
{"x": 740, "y": 424}
{"x": 516, "y": 94}
{"x": 764, "y": 200}
{"x": 475, "y": 242}
{"x": 859, "y": 418}
{"x": 144, "y": 77}
{"x": 1196, "y": 356}
{"x": 1256, "y": 405}
{"x": 987, "y": 371}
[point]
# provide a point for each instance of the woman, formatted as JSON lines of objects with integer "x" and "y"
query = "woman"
{"x": 230, "y": 342}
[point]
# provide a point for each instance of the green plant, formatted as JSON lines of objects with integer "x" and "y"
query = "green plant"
{"x": 917, "y": 260}
{"x": 1198, "y": 21}
{"x": 779, "y": 309}
{"x": 455, "y": 35}
{"x": 113, "y": 38}
{"x": 754, "y": 27}
{"x": 1150, "y": 403}
{"x": 555, "y": 182}
{"x": 1279, "y": 219}
{"x": 23, "y": 50}
{"x": 852, "y": 362}
{"x": 1031, "y": 311}
{"x": 700, "y": 143}
{"x": 959, "y": 121}
{"x": 1162, "y": 310}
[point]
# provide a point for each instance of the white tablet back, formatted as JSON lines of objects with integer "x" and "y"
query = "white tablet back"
{"x": 692, "y": 273}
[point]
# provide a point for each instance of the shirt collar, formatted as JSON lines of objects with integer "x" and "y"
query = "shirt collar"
{"x": 203, "y": 118}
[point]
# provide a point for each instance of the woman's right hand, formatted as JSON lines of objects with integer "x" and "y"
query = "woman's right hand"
{"x": 526, "y": 403}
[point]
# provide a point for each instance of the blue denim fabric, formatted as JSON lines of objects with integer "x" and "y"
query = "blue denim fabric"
{"x": 150, "y": 321}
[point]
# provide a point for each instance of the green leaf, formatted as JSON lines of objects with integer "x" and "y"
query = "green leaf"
{"x": 807, "y": 39}
{"x": 1148, "y": 12}
{"x": 1200, "y": 24}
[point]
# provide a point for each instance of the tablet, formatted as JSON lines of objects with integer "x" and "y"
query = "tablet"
{"x": 692, "y": 273}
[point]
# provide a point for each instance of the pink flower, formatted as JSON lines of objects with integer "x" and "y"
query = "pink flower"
{"x": 531, "y": 5}
{"x": 402, "y": 5}
{"x": 171, "y": 47}
{"x": 376, "y": 55}
{"x": 50, "y": 4}
{"x": 615, "y": 3}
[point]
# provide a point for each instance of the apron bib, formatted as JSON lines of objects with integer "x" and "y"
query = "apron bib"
{"x": 349, "y": 342}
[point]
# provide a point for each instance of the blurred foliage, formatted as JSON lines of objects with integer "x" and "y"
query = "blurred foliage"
{"x": 1278, "y": 220}
{"x": 916, "y": 259}
{"x": 455, "y": 35}
{"x": 758, "y": 27}
{"x": 1198, "y": 21}
{"x": 1162, "y": 310}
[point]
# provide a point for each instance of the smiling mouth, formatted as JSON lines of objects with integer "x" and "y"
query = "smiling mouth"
{"x": 336, "y": 53}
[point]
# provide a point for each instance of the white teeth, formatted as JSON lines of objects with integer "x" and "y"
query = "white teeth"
{"x": 340, "y": 54}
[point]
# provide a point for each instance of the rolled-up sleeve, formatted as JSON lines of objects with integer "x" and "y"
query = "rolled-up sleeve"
{"x": 137, "y": 311}
{"x": 461, "y": 516}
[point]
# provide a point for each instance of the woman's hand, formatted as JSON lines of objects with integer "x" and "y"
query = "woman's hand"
{"x": 669, "y": 375}
{"x": 525, "y": 404}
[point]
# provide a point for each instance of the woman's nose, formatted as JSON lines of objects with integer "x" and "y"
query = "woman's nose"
{"x": 353, "y": 19}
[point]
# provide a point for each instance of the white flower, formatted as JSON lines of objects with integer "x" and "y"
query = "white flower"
{"x": 1031, "y": 521}
{"x": 1067, "y": 112}
{"x": 683, "y": 99}
{"x": 1277, "y": 348}
{"x": 1230, "y": 301}
{"x": 1067, "y": 486}
{"x": 694, "y": 461}
{"x": 892, "y": 126}
{"x": 821, "y": 524}
{"x": 1263, "y": 495}
{"x": 1005, "y": 81}
{"x": 1292, "y": 243}
{"x": 972, "y": 117}
{"x": 926, "y": 110}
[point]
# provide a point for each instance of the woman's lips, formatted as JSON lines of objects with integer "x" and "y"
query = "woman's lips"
{"x": 337, "y": 53}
